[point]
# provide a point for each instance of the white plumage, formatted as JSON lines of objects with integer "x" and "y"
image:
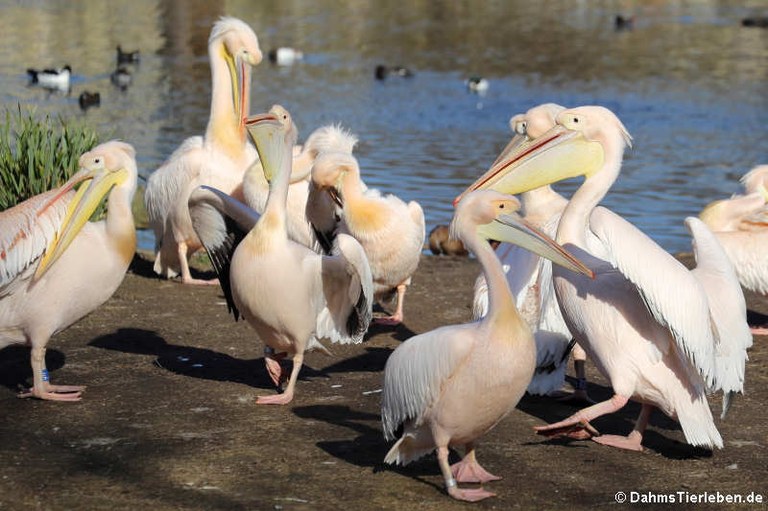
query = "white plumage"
{"x": 218, "y": 159}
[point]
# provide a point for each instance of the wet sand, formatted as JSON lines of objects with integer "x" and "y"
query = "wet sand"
{"x": 169, "y": 420}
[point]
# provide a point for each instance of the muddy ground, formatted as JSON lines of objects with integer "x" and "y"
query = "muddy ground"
{"x": 169, "y": 420}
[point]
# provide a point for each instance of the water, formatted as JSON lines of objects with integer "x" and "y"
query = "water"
{"x": 688, "y": 82}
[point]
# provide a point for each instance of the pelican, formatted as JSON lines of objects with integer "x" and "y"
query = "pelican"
{"x": 219, "y": 158}
{"x": 449, "y": 386}
{"x": 391, "y": 231}
{"x": 741, "y": 226}
{"x": 647, "y": 322}
{"x": 56, "y": 267}
{"x": 311, "y": 216}
{"x": 291, "y": 295}
{"x": 530, "y": 276}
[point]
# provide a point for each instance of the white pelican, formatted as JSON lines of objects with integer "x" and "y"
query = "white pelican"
{"x": 530, "y": 276}
{"x": 741, "y": 226}
{"x": 291, "y": 295}
{"x": 219, "y": 158}
{"x": 311, "y": 216}
{"x": 645, "y": 321}
{"x": 56, "y": 267}
{"x": 449, "y": 386}
{"x": 391, "y": 231}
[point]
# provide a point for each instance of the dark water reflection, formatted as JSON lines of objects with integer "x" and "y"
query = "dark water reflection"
{"x": 687, "y": 80}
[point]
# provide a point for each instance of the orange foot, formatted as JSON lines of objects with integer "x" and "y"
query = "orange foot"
{"x": 630, "y": 442}
{"x": 467, "y": 471}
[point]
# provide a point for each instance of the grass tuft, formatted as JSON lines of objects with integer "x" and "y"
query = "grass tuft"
{"x": 37, "y": 155}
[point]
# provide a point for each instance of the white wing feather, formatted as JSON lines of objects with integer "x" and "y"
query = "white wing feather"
{"x": 25, "y": 232}
{"x": 417, "y": 371}
{"x": 671, "y": 293}
{"x": 726, "y": 304}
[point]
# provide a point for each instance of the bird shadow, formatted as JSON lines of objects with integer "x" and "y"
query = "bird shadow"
{"x": 15, "y": 367}
{"x": 373, "y": 360}
{"x": 187, "y": 360}
{"x": 621, "y": 422}
{"x": 368, "y": 448}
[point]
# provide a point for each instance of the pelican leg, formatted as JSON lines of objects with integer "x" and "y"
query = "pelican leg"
{"x": 397, "y": 317}
{"x": 577, "y": 426}
{"x": 759, "y": 330}
{"x": 468, "y": 470}
{"x": 42, "y": 389}
{"x": 287, "y": 395}
{"x": 274, "y": 367}
{"x": 632, "y": 441}
{"x": 469, "y": 495}
{"x": 579, "y": 365}
{"x": 186, "y": 276}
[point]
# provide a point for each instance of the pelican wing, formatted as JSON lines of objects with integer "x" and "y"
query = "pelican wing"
{"x": 348, "y": 290}
{"x": 418, "y": 370}
{"x": 727, "y": 306}
{"x": 25, "y": 231}
{"x": 671, "y": 293}
{"x": 221, "y": 223}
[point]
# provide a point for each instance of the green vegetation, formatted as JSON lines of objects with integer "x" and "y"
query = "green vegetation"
{"x": 38, "y": 155}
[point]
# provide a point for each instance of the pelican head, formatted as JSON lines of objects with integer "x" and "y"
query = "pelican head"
{"x": 578, "y": 145}
{"x": 328, "y": 173}
{"x": 271, "y": 133}
{"x": 239, "y": 47}
{"x": 100, "y": 169}
{"x": 495, "y": 216}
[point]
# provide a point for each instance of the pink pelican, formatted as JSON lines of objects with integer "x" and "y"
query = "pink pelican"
{"x": 530, "y": 276}
{"x": 219, "y": 158}
{"x": 647, "y": 322}
{"x": 741, "y": 226}
{"x": 56, "y": 267}
{"x": 291, "y": 295}
{"x": 311, "y": 216}
{"x": 391, "y": 231}
{"x": 449, "y": 386}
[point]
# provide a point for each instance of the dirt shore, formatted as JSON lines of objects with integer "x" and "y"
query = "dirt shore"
{"x": 169, "y": 421}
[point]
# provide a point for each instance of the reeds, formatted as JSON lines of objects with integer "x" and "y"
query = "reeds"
{"x": 37, "y": 155}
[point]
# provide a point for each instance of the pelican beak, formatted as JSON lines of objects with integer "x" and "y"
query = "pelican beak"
{"x": 514, "y": 229}
{"x": 268, "y": 135}
{"x": 80, "y": 209}
{"x": 556, "y": 155}
{"x": 511, "y": 147}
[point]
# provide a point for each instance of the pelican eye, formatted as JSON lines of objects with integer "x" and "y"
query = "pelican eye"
{"x": 521, "y": 128}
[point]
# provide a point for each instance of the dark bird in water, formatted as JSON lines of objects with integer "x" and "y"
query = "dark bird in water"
{"x": 624, "y": 22}
{"x": 284, "y": 56}
{"x": 127, "y": 57}
{"x": 88, "y": 99}
{"x": 383, "y": 72}
{"x": 121, "y": 78}
{"x": 755, "y": 21}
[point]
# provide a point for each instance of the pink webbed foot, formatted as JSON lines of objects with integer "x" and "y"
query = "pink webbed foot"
{"x": 274, "y": 368}
{"x": 575, "y": 430}
{"x": 55, "y": 393}
{"x": 200, "y": 282}
{"x": 469, "y": 494}
{"x": 393, "y": 320}
{"x": 466, "y": 471}
{"x": 277, "y": 399}
{"x": 630, "y": 442}
{"x": 759, "y": 330}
